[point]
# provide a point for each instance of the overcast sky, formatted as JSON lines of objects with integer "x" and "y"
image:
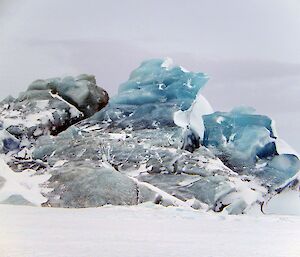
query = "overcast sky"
{"x": 250, "y": 49}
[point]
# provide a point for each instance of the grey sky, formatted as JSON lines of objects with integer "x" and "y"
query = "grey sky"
{"x": 250, "y": 49}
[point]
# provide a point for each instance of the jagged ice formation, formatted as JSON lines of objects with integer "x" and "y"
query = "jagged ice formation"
{"x": 157, "y": 140}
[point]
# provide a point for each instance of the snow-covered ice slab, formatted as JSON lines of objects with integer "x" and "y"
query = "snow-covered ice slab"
{"x": 145, "y": 230}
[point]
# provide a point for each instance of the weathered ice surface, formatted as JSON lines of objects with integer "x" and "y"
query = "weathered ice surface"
{"x": 48, "y": 107}
{"x": 151, "y": 158}
{"x": 146, "y": 145}
{"x": 84, "y": 186}
{"x": 80, "y": 91}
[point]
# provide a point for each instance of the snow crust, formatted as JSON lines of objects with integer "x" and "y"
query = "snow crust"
{"x": 146, "y": 230}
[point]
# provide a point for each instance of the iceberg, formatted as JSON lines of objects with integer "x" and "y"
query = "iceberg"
{"x": 157, "y": 140}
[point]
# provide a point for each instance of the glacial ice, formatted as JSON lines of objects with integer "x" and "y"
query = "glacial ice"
{"x": 220, "y": 127}
{"x": 239, "y": 135}
{"x": 90, "y": 187}
{"x": 279, "y": 169}
{"x": 157, "y": 140}
{"x": 248, "y": 144}
{"x": 48, "y": 107}
{"x": 80, "y": 91}
{"x": 156, "y": 81}
{"x": 132, "y": 136}
{"x": 8, "y": 141}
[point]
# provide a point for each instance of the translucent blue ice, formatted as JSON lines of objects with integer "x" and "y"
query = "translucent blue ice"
{"x": 156, "y": 81}
{"x": 240, "y": 135}
{"x": 10, "y": 144}
{"x": 247, "y": 143}
{"x": 151, "y": 96}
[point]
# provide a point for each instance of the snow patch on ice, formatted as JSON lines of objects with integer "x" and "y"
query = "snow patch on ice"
{"x": 59, "y": 163}
{"x": 175, "y": 201}
{"x": 12, "y": 118}
{"x": 193, "y": 116}
{"x": 75, "y": 113}
{"x": 24, "y": 183}
{"x": 168, "y": 63}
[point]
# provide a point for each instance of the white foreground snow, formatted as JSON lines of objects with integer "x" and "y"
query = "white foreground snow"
{"x": 143, "y": 231}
